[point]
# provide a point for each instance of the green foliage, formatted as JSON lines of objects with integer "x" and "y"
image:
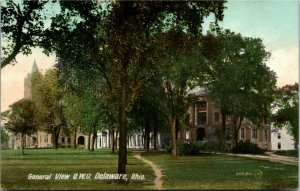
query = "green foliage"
{"x": 210, "y": 147}
{"x": 21, "y": 118}
{"x": 47, "y": 95}
{"x": 246, "y": 147}
{"x": 4, "y": 139}
{"x": 188, "y": 149}
{"x": 241, "y": 83}
{"x": 286, "y": 113}
{"x": 22, "y": 25}
{"x": 185, "y": 148}
{"x": 127, "y": 60}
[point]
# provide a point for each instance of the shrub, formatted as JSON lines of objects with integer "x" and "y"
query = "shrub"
{"x": 247, "y": 147}
{"x": 185, "y": 148}
{"x": 168, "y": 148}
{"x": 188, "y": 149}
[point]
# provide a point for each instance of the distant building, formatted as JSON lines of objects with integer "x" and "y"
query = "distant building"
{"x": 104, "y": 138}
{"x": 281, "y": 140}
{"x": 205, "y": 123}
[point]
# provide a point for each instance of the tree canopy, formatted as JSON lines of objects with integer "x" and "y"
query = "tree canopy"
{"x": 286, "y": 111}
{"x": 21, "y": 120}
{"x": 22, "y": 26}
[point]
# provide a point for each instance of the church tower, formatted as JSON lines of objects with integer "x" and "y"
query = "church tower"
{"x": 27, "y": 81}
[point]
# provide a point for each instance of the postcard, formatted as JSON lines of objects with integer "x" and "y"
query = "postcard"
{"x": 149, "y": 95}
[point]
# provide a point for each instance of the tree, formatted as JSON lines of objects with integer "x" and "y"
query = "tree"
{"x": 125, "y": 59}
{"x": 134, "y": 26}
{"x": 286, "y": 111}
{"x": 183, "y": 68}
{"x": 241, "y": 83}
{"x": 149, "y": 114}
{"x": 47, "y": 96}
{"x": 22, "y": 26}
{"x": 83, "y": 107}
{"x": 21, "y": 120}
{"x": 91, "y": 115}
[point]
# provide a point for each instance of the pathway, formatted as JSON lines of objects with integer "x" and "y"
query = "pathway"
{"x": 271, "y": 157}
{"x": 157, "y": 171}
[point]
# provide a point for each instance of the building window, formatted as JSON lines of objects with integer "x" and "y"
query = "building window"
{"x": 266, "y": 135}
{"x": 201, "y": 105}
{"x": 254, "y": 133}
{"x": 46, "y": 138}
{"x": 279, "y": 136}
{"x": 242, "y": 133}
{"x": 62, "y": 139}
{"x": 217, "y": 117}
{"x": 69, "y": 140}
{"x": 279, "y": 146}
{"x": 201, "y": 118}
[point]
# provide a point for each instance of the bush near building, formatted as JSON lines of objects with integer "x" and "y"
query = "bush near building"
{"x": 246, "y": 147}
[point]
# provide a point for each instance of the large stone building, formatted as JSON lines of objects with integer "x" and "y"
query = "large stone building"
{"x": 205, "y": 122}
{"x": 104, "y": 138}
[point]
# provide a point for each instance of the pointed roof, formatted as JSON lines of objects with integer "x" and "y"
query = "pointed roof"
{"x": 34, "y": 67}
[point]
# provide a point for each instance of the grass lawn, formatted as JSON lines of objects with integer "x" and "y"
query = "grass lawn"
{"x": 289, "y": 153}
{"x": 15, "y": 169}
{"x": 207, "y": 171}
{"x": 223, "y": 172}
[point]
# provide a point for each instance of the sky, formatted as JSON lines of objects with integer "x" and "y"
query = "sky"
{"x": 274, "y": 21}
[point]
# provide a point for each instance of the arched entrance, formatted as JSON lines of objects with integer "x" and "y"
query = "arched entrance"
{"x": 200, "y": 134}
{"x": 80, "y": 140}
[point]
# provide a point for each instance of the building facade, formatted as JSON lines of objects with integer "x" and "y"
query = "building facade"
{"x": 205, "y": 123}
{"x": 281, "y": 140}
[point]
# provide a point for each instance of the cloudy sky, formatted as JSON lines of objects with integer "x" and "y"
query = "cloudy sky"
{"x": 274, "y": 21}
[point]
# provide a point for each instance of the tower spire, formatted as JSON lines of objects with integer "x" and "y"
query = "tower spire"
{"x": 34, "y": 67}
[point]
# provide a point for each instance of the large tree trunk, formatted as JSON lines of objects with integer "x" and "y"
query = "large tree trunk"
{"x": 122, "y": 126}
{"x": 173, "y": 135}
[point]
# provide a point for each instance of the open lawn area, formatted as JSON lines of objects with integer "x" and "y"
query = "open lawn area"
{"x": 15, "y": 169}
{"x": 207, "y": 171}
{"x": 223, "y": 172}
{"x": 289, "y": 153}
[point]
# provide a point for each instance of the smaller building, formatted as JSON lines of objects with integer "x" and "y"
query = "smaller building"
{"x": 281, "y": 140}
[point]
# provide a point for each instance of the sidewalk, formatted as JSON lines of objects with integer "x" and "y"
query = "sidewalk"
{"x": 271, "y": 157}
